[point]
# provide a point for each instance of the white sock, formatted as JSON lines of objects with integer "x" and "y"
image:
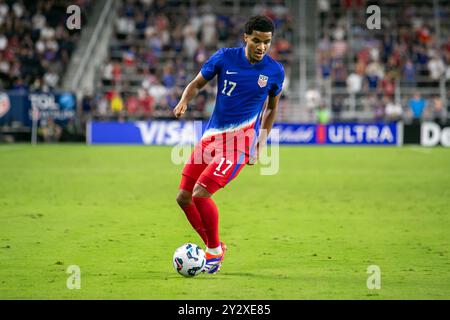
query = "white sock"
{"x": 217, "y": 250}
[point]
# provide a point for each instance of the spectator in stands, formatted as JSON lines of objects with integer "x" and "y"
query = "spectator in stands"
{"x": 149, "y": 78}
{"x": 339, "y": 46}
{"x": 421, "y": 56}
{"x": 436, "y": 68}
{"x": 107, "y": 76}
{"x": 324, "y": 8}
{"x": 51, "y": 79}
{"x": 102, "y": 105}
{"x": 374, "y": 73}
{"x": 337, "y": 105}
{"x": 340, "y": 74}
{"x": 423, "y": 33}
{"x": 132, "y": 106}
{"x": 200, "y": 56}
{"x": 155, "y": 42}
{"x": 437, "y": 109}
{"x": 190, "y": 41}
{"x": 146, "y": 103}
{"x": 409, "y": 74}
{"x": 325, "y": 68}
{"x": 140, "y": 23}
{"x": 19, "y": 85}
{"x": 417, "y": 106}
{"x": 50, "y": 131}
{"x": 313, "y": 101}
{"x": 208, "y": 29}
{"x": 388, "y": 85}
{"x": 116, "y": 102}
{"x": 393, "y": 111}
{"x": 87, "y": 104}
{"x": 129, "y": 57}
{"x": 124, "y": 26}
{"x": 70, "y": 131}
{"x": 200, "y": 105}
{"x": 158, "y": 92}
{"x": 323, "y": 114}
{"x": 379, "y": 111}
{"x": 354, "y": 83}
{"x": 172, "y": 99}
{"x": 168, "y": 79}
{"x": 222, "y": 31}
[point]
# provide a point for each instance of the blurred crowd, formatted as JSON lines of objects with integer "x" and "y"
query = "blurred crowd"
{"x": 406, "y": 55}
{"x": 159, "y": 46}
{"x": 35, "y": 45}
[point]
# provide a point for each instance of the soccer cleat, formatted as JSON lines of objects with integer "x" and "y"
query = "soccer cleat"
{"x": 214, "y": 261}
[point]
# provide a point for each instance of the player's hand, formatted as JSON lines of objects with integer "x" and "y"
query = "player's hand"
{"x": 180, "y": 109}
{"x": 253, "y": 159}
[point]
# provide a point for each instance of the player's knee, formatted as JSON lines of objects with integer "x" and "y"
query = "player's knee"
{"x": 184, "y": 198}
{"x": 200, "y": 192}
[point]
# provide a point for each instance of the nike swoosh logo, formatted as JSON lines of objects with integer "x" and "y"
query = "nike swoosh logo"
{"x": 218, "y": 175}
{"x": 231, "y": 72}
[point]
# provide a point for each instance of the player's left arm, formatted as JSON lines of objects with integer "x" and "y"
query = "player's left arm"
{"x": 269, "y": 116}
{"x": 268, "y": 119}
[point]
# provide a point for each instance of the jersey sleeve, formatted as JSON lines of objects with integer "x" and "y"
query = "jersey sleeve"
{"x": 277, "y": 85}
{"x": 213, "y": 65}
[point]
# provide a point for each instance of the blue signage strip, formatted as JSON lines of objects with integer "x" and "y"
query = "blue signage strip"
{"x": 189, "y": 132}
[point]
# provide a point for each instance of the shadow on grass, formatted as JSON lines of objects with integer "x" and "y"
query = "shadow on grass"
{"x": 222, "y": 275}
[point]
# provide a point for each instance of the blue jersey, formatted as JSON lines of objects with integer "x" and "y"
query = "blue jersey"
{"x": 242, "y": 89}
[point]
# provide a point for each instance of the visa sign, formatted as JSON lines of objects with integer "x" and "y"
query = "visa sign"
{"x": 144, "y": 132}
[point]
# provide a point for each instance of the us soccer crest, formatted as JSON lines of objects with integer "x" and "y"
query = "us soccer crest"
{"x": 262, "y": 81}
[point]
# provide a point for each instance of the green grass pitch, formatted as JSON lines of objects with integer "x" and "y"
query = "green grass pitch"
{"x": 308, "y": 232}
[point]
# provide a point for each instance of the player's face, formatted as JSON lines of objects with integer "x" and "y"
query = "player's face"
{"x": 257, "y": 45}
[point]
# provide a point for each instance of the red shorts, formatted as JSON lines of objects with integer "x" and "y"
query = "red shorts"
{"x": 212, "y": 165}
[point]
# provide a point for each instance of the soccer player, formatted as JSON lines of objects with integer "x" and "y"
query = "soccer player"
{"x": 249, "y": 84}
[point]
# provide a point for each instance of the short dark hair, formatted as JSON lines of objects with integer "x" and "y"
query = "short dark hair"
{"x": 259, "y": 23}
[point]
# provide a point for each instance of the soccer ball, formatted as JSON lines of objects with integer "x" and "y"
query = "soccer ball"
{"x": 189, "y": 260}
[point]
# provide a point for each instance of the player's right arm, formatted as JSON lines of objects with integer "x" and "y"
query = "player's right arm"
{"x": 189, "y": 93}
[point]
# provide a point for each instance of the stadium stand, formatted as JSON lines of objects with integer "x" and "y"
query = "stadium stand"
{"x": 159, "y": 46}
{"x": 35, "y": 44}
{"x": 378, "y": 74}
